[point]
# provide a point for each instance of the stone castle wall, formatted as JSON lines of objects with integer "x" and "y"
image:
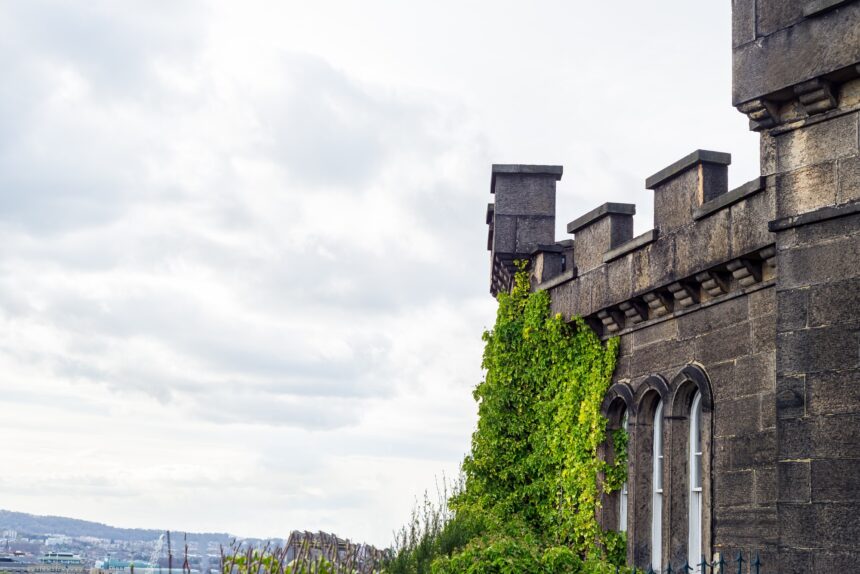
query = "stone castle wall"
{"x": 750, "y": 295}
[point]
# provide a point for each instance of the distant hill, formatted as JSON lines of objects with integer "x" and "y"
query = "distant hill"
{"x": 33, "y": 524}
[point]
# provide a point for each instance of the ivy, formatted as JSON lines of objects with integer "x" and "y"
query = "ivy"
{"x": 535, "y": 453}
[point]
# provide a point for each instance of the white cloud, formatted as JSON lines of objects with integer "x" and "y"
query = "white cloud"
{"x": 242, "y": 282}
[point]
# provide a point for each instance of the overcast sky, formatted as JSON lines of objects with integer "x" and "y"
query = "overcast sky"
{"x": 243, "y": 275}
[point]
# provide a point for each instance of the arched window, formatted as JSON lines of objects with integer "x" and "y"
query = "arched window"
{"x": 694, "y": 460}
{"x": 622, "y": 504}
{"x": 657, "y": 491}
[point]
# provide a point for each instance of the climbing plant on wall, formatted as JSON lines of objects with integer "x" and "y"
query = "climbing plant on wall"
{"x": 535, "y": 451}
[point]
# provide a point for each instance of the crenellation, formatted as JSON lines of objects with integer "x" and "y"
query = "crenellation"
{"x": 755, "y": 289}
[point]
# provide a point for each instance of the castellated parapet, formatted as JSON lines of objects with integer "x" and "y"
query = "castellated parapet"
{"x": 740, "y": 305}
{"x": 707, "y": 243}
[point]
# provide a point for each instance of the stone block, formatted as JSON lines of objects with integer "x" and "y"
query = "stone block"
{"x": 820, "y": 525}
{"x": 723, "y": 380}
{"x": 795, "y": 560}
{"x": 817, "y": 143}
{"x": 833, "y": 393}
{"x": 765, "y": 485}
{"x": 661, "y": 357}
{"x": 762, "y": 302}
{"x": 524, "y": 193}
{"x": 713, "y": 317}
{"x": 745, "y": 525}
{"x": 665, "y": 331}
{"x": 834, "y": 436}
{"x": 733, "y": 488}
{"x": 792, "y": 309}
{"x": 816, "y": 350}
{"x": 753, "y": 374}
{"x": 794, "y": 481}
{"x": 820, "y": 263}
{"x": 835, "y": 303}
{"x": 743, "y": 22}
{"x": 767, "y": 416}
{"x": 752, "y": 450}
{"x": 749, "y": 228}
{"x": 505, "y": 234}
{"x": 773, "y": 15}
{"x": 563, "y": 298}
{"x": 619, "y": 279}
{"x": 836, "y": 561}
{"x": 835, "y": 229}
{"x": 763, "y": 333}
{"x": 724, "y": 344}
{"x": 533, "y": 231}
{"x": 703, "y": 245}
{"x": 835, "y": 480}
{"x": 848, "y": 176}
{"x": 675, "y": 201}
{"x": 806, "y": 189}
{"x": 790, "y": 396}
{"x": 791, "y": 55}
{"x": 737, "y": 417}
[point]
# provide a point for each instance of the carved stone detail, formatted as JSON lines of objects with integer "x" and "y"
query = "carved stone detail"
{"x": 611, "y": 320}
{"x": 685, "y": 293}
{"x": 762, "y": 114}
{"x": 634, "y": 310}
{"x": 815, "y": 96}
{"x": 713, "y": 282}
{"x": 658, "y": 303}
{"x": 746, "y": 272}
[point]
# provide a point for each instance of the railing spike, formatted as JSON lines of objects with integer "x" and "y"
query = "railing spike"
{"x": 740, "y": 560}
{"x": 669, "y": 568}
{"x": 703, "y": 565}
{"x": 756, "y": 563}
{"x": 686, "y": 567}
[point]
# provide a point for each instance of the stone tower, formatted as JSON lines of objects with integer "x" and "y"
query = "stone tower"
{"x": 738, "y": 314}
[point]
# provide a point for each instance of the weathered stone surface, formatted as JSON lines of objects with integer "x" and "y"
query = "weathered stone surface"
{"x": 753, "y": 374}
{"x": 821, "y": 263}
{"x": 848, "y": 171}
{"x": 797, "y": 53}
{"x": 816, "y": 350}
{"x": 738, "y": 417}
{"x": 835, "y": 480}
{"x": 819, "y": 143}
{"x": 792, "y": 309}
{"x": 773, "y": 15}
{"x": 724, "y": 344}
{"x": 767, "y": 417}
{"x": 834, "y": 436}
{"x": 713, "y": 317}
{"x": 533, "y": 231}
{"x": 619, "y": 279}
{"x": 762, "y": 302}
{"x": 815, "y": 525}
{"x": 832, "y": 303}
{"x": 790, "y": 396}
{"x": 667, "y": 330}
{"x": 752, "y": 450}
{"x": 806, "y": 189}
{"x": 765, "y": 485}
{"x": 675, "y": 200}
{"x": 793, "y": 478}
{"x": 745, "y": 525}
{"x": 703, "y": 245}
{"x": 748, "y": 234}
{"x": 743, "y": 22}
{"x": 763, "y": 333}
{"x": 734, "y": 488}
{"x": 833, "y": 393}
{"x": 662, "y": 356}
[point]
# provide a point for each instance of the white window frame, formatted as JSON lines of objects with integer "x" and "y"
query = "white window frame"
{"x": 694, "y": 460}
{"x": 622, "y": 502}
{"x": 657, "y": 491}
